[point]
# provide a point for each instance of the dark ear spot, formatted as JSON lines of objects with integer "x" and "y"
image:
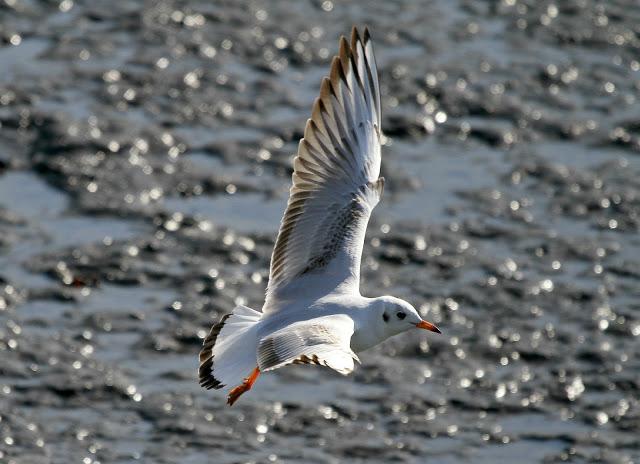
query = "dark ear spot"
{"x": 385, "y": 317}
{"x": 401, "y": 315}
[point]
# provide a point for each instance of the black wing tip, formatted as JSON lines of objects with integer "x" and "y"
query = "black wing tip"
{"x": 344, "y": 52}
{"x": 366, "y": 35}
{"x": 356, "y": 38}
{"x": 346, "y": 57}
{"x": 355, "y": 35}
{"x": 207, "y": 380}
{"x": 326, "y": 86}
{"x": 343, "y": 43}
{"x": 205, "y": 371}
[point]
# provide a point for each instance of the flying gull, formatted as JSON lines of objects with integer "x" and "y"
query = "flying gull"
{"x": 313, "y": 311}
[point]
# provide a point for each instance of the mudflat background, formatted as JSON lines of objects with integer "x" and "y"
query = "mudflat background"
{"x": 145, "y": 161}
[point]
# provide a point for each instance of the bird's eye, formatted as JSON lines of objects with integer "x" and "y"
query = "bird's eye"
{"x": 385, "y": 317}
{"x": 401, "y": 315}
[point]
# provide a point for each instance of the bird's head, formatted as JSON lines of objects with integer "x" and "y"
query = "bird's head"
{"x": 396, "y": 316}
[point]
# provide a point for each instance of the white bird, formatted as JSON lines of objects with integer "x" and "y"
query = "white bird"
{"x": 313, "y": 312}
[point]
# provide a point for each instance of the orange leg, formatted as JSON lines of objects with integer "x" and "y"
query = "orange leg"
{"x": 246, "y": 385}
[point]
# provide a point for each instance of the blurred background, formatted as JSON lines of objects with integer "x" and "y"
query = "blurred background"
{"x": 145, "y": 161}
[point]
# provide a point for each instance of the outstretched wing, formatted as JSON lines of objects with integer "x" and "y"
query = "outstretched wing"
{"x": 323, "y": 341}
{"x": 335, "y": 183}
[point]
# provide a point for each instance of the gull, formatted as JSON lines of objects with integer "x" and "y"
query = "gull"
{"x": 313, "y": 311}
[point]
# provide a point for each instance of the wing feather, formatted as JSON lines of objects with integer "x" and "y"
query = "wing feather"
{"x": 322, "y": 341}
{"x": 335, "y": 182}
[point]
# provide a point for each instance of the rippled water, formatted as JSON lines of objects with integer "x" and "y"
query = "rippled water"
{"x": 145, "y": 155}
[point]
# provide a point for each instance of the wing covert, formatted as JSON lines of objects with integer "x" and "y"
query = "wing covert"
{"x": 323, "y": 341}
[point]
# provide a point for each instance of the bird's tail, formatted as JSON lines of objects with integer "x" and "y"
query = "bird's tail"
{"x": 229, "y": 351}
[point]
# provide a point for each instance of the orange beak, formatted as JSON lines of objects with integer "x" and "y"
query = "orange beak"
{"x": 428, "y": 326}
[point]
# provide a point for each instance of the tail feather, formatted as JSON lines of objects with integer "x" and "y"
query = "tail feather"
{"x": 229, "y": 351}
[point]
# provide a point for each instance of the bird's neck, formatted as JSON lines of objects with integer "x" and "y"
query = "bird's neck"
{"x": 368, "y": 330}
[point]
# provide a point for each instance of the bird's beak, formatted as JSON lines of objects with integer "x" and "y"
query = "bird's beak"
{"x": 428, "y": 326}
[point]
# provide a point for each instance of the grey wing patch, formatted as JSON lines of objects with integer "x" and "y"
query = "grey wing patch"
{"x": 342, "y": 226}
{"x": 268, "y": 356}
{"x": 339, "y": 225}
{"x": 321, "y": 341}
